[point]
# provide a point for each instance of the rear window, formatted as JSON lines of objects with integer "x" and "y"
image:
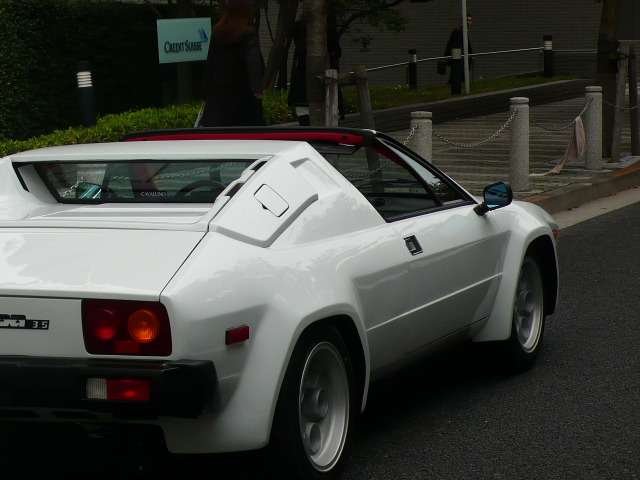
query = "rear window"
{"x": 172, "y": 181}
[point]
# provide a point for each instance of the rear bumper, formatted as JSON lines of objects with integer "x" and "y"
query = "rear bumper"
{"x": 178, "y": 388}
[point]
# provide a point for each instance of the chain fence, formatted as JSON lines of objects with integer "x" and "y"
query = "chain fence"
{"x": 624, "y": 108}
{"x": 411, "y": 134}
{"x": 494, "y": 136}
{"x": 566, "y": 126}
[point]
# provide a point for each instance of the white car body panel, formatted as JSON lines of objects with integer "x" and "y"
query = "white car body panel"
{"x": 306, "y": 248}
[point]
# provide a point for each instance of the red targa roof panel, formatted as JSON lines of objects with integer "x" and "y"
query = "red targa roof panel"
{"x": 330, "y": 137}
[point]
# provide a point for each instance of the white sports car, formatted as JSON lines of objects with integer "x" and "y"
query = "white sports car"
{"x": 238, "y": 288}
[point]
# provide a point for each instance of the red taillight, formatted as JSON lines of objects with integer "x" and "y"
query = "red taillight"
{"x": 118, "y": 389}
{"x": 105, "y": 324}
{"x": 121, "y": 327}
{"x": 128, "y": 390}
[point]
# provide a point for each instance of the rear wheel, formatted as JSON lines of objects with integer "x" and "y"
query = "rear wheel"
{"x": 527, "y": 328}
{"x": 316, "y": 408}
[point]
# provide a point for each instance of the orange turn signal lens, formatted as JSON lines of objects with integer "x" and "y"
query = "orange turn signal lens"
{"x": 144, "y": 326}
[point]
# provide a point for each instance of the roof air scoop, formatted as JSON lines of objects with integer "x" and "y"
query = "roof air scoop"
{"x": 271, "y": 201}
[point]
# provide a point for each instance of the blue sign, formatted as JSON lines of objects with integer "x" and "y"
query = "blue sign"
{"x": 183, "y": 39}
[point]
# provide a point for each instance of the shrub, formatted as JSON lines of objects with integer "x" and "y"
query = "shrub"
{"x": 41, "y": 43}
{"x": 111, "y": 128}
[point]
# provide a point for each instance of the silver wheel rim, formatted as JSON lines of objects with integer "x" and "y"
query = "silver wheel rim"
{"x": 323, "y": 406}
{"x": 528, "y": 310}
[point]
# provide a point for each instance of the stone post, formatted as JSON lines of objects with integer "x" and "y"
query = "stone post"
{"x": 593, "y": 128}
{"x": 422, "y": 141}
{"x": 519, "y": 156}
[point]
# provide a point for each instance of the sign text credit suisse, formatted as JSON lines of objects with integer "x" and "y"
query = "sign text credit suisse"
{"x": 186, "y": 46}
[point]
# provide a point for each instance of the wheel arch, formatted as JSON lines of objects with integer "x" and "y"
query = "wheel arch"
{"x": 346, "y": 326}
{"x": 539, "y": 244}
{"x": 543, "y": 250}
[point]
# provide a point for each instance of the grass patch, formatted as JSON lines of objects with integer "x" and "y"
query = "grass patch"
{"x": 388, "y": 97}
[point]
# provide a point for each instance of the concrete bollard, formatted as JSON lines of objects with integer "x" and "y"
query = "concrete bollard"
{"x": 422, "y": 140}
{"x": 519, "y": 155}
{"x": 593, "y": 128}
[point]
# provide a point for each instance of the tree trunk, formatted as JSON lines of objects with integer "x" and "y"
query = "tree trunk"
{"x": 608, "y": 68}
{"x": 280, "y": 47}
{"x": 315, "y": 14}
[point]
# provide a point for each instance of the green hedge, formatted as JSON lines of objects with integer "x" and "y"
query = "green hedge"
{"x": 41, "y": 43}
{"x": 111, "y": 128}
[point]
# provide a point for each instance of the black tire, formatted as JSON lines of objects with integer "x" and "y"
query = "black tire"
{"x": 514, "y": 356}
{"x": 286, "y": 454}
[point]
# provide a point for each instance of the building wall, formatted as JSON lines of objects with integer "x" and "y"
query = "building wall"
{"x": 498, "y": 25}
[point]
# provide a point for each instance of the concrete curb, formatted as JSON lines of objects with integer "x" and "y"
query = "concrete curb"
{"x": 397, "y": 118}
{"x": 578, "y": 194}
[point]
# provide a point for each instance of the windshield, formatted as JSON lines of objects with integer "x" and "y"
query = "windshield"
{"x": 167, "y": 181}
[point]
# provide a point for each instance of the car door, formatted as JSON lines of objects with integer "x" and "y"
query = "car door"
{"x": 452, "y": 256}
{"x": 456, "y": 256}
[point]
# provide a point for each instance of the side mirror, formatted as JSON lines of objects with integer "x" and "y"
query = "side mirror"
{"x": 496, "y": 196}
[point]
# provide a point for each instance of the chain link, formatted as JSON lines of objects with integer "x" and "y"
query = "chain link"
{"x": 614, "y": 106}
{"x": 563, "y": 127}
{"x": 412, "y": 133}
{"x": 494, "y": 136}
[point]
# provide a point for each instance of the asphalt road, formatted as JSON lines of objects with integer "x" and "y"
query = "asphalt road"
{"x": 575, "y": 415}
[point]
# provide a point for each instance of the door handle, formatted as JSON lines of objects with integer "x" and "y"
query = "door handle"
{"x": 413, "y": 245}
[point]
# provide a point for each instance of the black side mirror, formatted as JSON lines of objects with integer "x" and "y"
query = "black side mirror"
{"x": 496, "y": 196}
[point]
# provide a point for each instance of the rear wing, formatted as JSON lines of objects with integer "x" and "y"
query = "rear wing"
{"x": 336, "y": 136}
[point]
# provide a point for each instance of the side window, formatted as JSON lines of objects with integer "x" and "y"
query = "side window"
{"x": 443, "y": 191}
{"x": 391, "y": 187}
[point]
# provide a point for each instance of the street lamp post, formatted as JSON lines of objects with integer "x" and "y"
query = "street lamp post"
{"x": 465, "y": 46}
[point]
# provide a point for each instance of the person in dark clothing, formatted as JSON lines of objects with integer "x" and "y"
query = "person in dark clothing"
{"x": 455, "y": 49}
{"x": 234, "y": 71}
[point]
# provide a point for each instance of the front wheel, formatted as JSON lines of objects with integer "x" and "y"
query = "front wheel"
{"x": 519, "y": 352}
{"x": 316, "y": 408}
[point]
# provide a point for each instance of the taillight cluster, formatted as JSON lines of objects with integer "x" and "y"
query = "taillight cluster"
{"x": 122, "y": 327}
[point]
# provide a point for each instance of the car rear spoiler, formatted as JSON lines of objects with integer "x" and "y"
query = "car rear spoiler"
{"x": 337, "y": 136}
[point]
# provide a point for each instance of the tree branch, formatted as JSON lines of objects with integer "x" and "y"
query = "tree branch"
{"x": 153, "y": 8}
{"x": 363, "y": 13}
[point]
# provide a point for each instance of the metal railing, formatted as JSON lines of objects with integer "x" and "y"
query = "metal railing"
{"x": 449, "y": 57}
{"x": 546, "y": 49}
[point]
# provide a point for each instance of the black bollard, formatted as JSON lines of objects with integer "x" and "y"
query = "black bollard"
{"x": 86, "y": 95}
{"x": 548, "y": 56}
{"x": 413, "y": 69}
